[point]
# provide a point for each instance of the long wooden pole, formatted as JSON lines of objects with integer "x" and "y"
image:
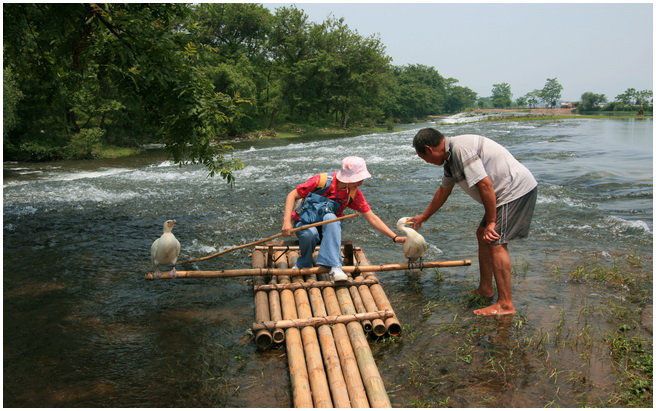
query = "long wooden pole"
{"x": 263, "y": 337}
{"x": 305, "y": 271}
{"x": 276, "y": 310}
{"x": 264, "y": 240}
{"x": 320, "y": 320}
{"x": 310, "y": 284}
{"x": 392, "y": 324}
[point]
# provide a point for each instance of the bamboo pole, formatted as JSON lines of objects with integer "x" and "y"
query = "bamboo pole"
{"x": 373, "y": 383}
{"x": 360, "y": 308}
{"x": 264, "y": 240}
{"x": 331, "y": 360}
{"x": 313, "y": 358}
{"x": 288, "y": 247}
{"x": 301, "y": 394}
{"x": 263, "y": 338}
{"x": 245, "y": 272}
{"x": 309, "y": 284}
{"x": 320, "y": 320}
{"x": 354, "y": 384}
{"x": 378, "y": 326}
{"x": 276, "y": 311}
{"x": 392, "y": 324}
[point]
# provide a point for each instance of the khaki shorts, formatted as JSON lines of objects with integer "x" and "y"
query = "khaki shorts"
{"x": 514, "y": 218}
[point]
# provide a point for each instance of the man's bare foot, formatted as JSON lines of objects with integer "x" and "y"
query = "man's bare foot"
{"x": 480, "y": 293}
{"x": 496, "y": 309}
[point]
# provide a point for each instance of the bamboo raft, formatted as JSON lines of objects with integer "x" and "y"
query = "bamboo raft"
{"x": 323, "y": 325}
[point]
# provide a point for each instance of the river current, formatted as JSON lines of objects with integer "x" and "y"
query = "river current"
{"x": 83, "y": 328}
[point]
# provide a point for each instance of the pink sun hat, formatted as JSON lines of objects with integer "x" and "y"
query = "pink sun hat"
{"x": 354, "y": 169}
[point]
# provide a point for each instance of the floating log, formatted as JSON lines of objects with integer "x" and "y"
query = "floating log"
{"x": 354, "y": 384}
{"x": 309, "y": 284}
{"x": 392, "y": 324}
{"x": 321, "y": 320}
{"x": 301, "y": 393}
{"x": 373, "y": 383}
{"x": 263, "y": 338}
{"x": 264, "y": 240}
{"x": 306, "y": 271}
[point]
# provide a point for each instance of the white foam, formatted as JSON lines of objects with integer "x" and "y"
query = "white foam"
{"x": 629, "y": 224}
{"x": 198, "y": 247}
{"x": 84, "y": 174}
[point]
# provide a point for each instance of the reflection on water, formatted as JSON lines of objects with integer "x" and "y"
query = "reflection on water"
{"x": 82, "y": 327}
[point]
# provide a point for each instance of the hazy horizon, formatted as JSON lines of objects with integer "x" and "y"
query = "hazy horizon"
{"x": 602, "y": 48}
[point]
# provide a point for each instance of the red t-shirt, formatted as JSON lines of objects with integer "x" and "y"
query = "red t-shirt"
{"x": 358, "y": 203}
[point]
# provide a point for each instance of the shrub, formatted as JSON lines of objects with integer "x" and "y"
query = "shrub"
{"x": 86, "y": 144}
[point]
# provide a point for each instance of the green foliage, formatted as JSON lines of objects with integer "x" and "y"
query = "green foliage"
{"x": 551, "y": 92}
{"x": 11, "y": 96}
{"x": 501, "y": 95}
{"x": 86, "y": 144}
{"x": 591, "y": 102}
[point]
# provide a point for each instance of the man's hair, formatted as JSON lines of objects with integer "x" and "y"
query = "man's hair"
{"x": 426, "y": 137}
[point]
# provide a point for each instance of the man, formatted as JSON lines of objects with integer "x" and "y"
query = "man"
{"x": 325, "y": 196}
{"x": 492, "y": 176}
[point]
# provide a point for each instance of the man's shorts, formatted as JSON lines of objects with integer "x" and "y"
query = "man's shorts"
{"x": 514, "y": 218}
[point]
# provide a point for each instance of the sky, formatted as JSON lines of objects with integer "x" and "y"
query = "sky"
{"x": 602, "y": 48}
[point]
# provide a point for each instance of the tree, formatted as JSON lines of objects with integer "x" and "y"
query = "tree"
{"x": 551, "y": 92}
{"x": 521, "y": 101}
{"x": 459, "y": 98}
{"x": 501, "y": 95}
{"x": 591, "y": 101}
{"x": 533, "y": 98}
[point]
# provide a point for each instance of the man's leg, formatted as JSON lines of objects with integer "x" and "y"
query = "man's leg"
{"x": 307, "y": 240}
{"x": 502, "y": 276}
{"x": 329, "y": 253}
{"x": 485, "y": 267}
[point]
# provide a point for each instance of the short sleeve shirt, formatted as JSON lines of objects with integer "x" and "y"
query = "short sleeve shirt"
{"x": 357, "y": 203}
{"x": 470, "y": 158}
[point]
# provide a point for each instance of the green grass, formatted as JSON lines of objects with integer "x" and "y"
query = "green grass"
{"x": 562, "y": 117}
{"x": 117, "y": 152}
{"x": 634, "y": 361}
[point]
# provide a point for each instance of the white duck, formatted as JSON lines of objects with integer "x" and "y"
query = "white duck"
{"x": 415, "y": 245}
{"x": 165, "y": 250}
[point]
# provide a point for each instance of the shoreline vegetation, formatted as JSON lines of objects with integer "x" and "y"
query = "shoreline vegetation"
{"x": 295, "y": 131}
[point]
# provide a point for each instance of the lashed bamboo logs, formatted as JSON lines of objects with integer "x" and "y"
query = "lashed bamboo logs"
{"x": 360, "y": 308}
{"x": 305, "y": 271}
{"x": 313, "y": 358}
{"x": 382, "y": 302}
{"x": 263, "y": 337}
{"x": 354, "y": 384}
{"x": 301, "y": 393}
{"x": 320, "y": 319}
{"x": 378, "y": 326}
{"x": 331, "y": 360}
{"x": 371, "y": 378}
{"x": 309, "y": 284}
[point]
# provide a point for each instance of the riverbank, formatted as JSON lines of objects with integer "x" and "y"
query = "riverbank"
{"x": 535, "y": 114}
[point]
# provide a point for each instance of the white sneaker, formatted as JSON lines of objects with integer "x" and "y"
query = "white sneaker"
{"x": 338, "y": 274}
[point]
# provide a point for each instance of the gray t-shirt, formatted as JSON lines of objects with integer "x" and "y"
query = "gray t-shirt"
{"x": 471, "y": 157}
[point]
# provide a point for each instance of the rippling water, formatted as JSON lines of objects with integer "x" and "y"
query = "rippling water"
{"x": 82, "y": 327}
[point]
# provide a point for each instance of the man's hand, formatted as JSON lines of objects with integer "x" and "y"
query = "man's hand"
{"x": 400, "y": 239}
{"x": 287, "y": 228}
{"x": 417, "y": 221}
{"x": 490, "y": 233}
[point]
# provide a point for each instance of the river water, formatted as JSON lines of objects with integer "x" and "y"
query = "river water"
{"x": 83, "y": 328}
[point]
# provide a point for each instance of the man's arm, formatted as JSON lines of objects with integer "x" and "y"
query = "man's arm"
{"x": 489, "y": 198}
{"x": 379, "y": 225}
{"x": 439, "y": 198}
{"x": 287, "y": 215}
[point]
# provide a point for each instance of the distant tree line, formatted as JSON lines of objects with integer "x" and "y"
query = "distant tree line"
{"x": 501, "y": 97}
{"x": 189, "y": 75}
{"x": 640, "y": 101}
